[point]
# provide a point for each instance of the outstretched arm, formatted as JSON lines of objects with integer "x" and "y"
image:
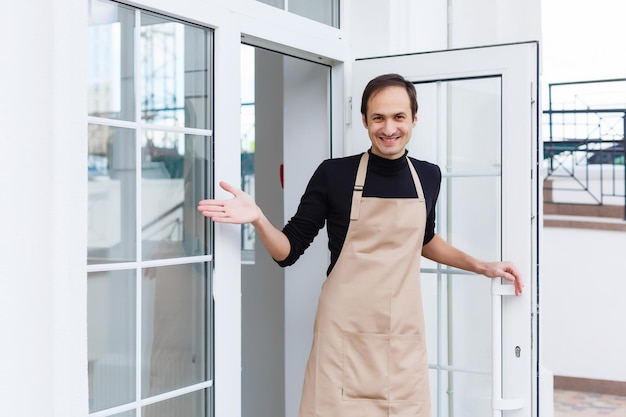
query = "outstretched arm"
{"x": 440, "y": 251}
{"x": 242, "y": 209}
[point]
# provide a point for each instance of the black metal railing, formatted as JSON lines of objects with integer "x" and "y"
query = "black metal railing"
{"x": 584, "y": 153}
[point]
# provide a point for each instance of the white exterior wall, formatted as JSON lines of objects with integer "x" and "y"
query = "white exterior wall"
{"x": 43, "y": 354}
{"x": 583, "y": 283}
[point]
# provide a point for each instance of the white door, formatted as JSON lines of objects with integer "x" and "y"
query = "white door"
{"x": 477, "y": 120}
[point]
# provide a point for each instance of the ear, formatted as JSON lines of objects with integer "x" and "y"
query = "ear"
{"x": 415, "y": 120}
{"x": 364, "y": 120}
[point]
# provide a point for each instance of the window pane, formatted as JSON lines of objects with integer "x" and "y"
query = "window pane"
{"x": 323, "y": 11}
{"x": 466, "y": 394}
{"x": 460, "y": 125}
{"x": 457, "y": 309}
{"x": 276, "y": 3}
{"x": 130, "y": 413}
{"x": 475, "y": 106}
{"x": 174, "y": 178}
{"x": 111, "y": 69}
{"x": 190, "y": 405}
{"x": 112, "y": 194}
{"x": 174, "y": 322}
{"x": 111, "y": 338}
{"x": 478, "y": 199}
{"x": 174, "y": 67}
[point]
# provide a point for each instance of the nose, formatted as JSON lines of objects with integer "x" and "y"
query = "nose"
{"x": 389, "y": 127}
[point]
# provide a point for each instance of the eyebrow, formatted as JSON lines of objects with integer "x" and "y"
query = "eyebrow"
{"x": 401, "y": 113}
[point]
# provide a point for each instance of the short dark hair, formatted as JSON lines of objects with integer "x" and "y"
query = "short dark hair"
{"x": 388, "y": 80}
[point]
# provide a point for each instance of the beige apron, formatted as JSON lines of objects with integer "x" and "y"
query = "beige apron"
{"x": 368, "y": 357}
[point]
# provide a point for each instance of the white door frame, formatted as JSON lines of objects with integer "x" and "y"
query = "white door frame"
{"x": 514, "y": 383}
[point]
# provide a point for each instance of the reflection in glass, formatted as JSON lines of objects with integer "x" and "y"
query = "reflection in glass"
{"x": 460, "y": 125}
{"x": 174, "y": 328}
{"x": 174, "y": 178}
{"x": 326, "y": 11}
{"x": 111, "y": 68}
{"x": 112, "y": 194}
{"x": 145, "y": 180}
{"x": 174, "y": 66}
{"x": 190, "y": 405}
{"x": 111, "y": 338}
{"x": 323, "y": 11}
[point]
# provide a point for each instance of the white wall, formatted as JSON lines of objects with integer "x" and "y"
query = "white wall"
{"x": 583, "y": 282}
{"x": 406, "y": 26}
{"x": 43, "y": 315}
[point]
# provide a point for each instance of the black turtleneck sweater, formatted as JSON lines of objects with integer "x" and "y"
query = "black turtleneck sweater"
{"x": 328, "y": 198}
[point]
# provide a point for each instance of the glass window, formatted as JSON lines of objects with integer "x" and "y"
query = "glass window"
{"x": 174, "y": 328}
{"x": 149, "y": 251}
{"x": 111, "y": 70}
{"x": 112, "y": 191}
{"x": 174, "y": 76}
{"x": 111, "y": 308}
{"x": 323, "y": 11}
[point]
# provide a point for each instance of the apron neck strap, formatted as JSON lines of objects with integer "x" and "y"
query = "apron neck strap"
{"x": 357, "y": 192}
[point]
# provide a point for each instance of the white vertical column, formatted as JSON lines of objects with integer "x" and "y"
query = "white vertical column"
{"x": 227, "y": 274}
{"x": 43, "y": 224}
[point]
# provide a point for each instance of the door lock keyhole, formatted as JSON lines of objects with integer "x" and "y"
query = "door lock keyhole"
{"x": 518, "y": 351}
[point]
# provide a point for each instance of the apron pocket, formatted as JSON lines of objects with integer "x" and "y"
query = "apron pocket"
{"x": 385, "y": 367}
{"x": 408, "y": 369}
{"x": 365, "y": 366}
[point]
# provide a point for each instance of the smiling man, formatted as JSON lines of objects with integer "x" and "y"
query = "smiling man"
{"x": 369, "y": 353}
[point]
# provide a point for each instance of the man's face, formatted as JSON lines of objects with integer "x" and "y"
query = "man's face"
{"x": 389, "y": 122}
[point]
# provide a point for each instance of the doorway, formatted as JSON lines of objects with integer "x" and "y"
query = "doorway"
{"x": 286, "y": 133}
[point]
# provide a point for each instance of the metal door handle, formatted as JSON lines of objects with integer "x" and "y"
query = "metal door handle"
{"x": 498, "y": 290}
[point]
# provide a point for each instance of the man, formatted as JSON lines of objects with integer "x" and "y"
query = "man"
{"x": 368, "y": 357}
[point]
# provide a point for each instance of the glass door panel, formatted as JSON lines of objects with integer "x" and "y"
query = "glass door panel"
{"x": 112, "y": 190}
{"x": 173, "y": 180}
{"x": 150, "y": 301}
{"x": 189, "y": 405}
{"x": 112, "y": 74}
{"x": 111, "y": 307}
{"x": 174, "y": 328}
{"x": 459, "y": 129}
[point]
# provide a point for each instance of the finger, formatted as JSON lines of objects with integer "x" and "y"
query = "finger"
{"x": 227, "y": 187}
{"x": 212, "y": 210}
{"x": 209, "y": 203}
{"x": 507, "y": 276}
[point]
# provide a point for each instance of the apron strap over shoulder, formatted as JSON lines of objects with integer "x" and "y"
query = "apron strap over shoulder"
{"x": 357, "y": 192}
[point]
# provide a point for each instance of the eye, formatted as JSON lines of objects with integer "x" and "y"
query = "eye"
{"x": 400, "y": 117}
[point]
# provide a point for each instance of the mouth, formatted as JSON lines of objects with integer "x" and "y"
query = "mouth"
{"x": 388, "y": 139}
